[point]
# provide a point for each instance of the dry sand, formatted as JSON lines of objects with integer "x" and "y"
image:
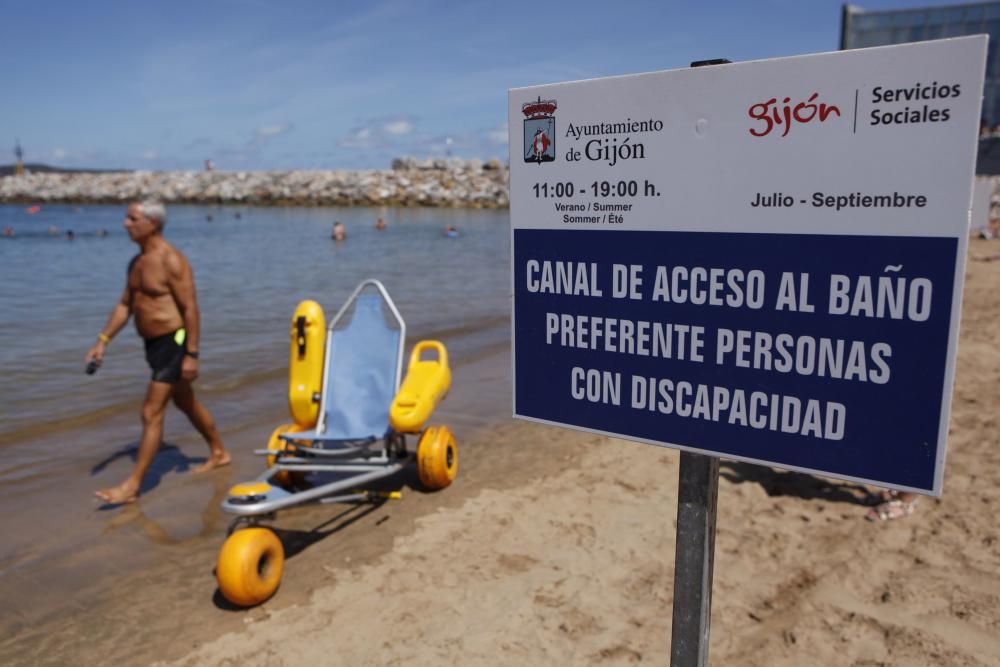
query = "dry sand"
{"x": 577, "y": 567}
{"x": 556, "y": 548}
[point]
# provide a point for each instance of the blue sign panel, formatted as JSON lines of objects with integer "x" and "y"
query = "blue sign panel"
{"x": 809, "y": 351}
{"x": 762, "y": 261}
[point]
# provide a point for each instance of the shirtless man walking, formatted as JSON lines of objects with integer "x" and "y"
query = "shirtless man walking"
{"x": 160, "y": 293}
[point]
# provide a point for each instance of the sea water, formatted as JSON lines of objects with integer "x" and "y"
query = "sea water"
{"x": 252, "y": 266}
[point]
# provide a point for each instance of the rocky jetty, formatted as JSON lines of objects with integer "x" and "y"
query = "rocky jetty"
{"x": 410, "y": 182}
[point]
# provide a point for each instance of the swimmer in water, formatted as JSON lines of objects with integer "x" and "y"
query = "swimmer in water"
{"x": 339, "y": 233}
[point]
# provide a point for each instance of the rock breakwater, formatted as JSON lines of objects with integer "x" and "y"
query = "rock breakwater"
{"x": 410, "y": 182}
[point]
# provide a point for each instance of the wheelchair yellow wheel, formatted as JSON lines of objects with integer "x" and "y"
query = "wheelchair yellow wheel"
{"x": 250, "y": 565}
{"x": 437, "y": 457}
{"x": 276, "y": 444}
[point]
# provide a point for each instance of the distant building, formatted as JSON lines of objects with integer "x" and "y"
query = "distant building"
{"x": 19, "y": 154}
{"x": 860, "y": 28}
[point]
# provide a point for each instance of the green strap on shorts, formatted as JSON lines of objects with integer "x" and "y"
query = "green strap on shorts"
{"x": 180, "y": 336}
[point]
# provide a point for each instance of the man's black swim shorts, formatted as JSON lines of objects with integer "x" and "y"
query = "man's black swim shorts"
{"x": 165, "y": 354}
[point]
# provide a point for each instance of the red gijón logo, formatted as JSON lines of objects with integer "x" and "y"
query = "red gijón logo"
{"x": 771, "y": 114}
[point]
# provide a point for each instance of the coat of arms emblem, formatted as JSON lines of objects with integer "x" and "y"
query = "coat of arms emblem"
{"x": 539, "y": 130}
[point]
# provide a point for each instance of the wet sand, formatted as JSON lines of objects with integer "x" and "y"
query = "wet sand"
{"x": 552, "y": 547}
{"x": 124, "y": 583}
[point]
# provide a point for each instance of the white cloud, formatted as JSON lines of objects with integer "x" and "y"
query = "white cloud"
{"x": 59, "y": 153}
{"x": 273, "y": 130}
{"x": 398, "y": 127}
{"x": 383, "y": 132}
{"x": 150, "y": 155}
{"x": 498, "y": 135}
{"x": 263, "y": 135}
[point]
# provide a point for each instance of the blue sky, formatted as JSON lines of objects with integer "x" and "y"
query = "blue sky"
{"x": 327, "y": 84}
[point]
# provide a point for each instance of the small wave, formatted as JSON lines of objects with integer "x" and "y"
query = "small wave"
{"x": 466, "y": 328}
{"x": 475, "y": 347}
{"x": 63, "y": 424}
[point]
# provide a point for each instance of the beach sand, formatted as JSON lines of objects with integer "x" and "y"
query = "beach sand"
{"x": 555, "y": 547}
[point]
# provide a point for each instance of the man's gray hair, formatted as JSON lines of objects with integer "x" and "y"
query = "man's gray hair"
{"x": 154, "y": 210}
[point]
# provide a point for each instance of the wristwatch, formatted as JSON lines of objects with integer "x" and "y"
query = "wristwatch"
{"x": 193, "y": 355}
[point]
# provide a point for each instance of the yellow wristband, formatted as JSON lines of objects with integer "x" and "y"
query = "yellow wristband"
{"x": 104, "y": 338}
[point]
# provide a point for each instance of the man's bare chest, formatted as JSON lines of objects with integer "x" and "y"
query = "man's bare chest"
{"x": 148, "y": 278}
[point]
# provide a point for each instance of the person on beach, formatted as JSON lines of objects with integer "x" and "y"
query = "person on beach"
{"x": 339, "y": 233}
{"x": 160, "y": 292}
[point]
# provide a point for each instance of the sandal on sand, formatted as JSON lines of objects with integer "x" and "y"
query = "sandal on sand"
{"x": 891, "y": 509}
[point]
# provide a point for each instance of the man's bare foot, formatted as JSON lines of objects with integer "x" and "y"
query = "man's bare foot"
{"x": 118, "y": 495}
{"x": 214, "y": 461}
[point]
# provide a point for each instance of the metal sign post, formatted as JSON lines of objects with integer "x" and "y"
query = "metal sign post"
{"x": 694, "y": 559}
{"x": 697, "y": 493}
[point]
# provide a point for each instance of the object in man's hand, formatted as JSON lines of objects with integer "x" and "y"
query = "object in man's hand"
{"x": 92, "y": 367}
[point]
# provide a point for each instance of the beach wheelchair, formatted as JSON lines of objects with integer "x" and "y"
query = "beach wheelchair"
{"x": 351, "y": 418}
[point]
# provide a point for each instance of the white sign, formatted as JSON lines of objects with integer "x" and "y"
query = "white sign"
{"x": 760, "y": 260}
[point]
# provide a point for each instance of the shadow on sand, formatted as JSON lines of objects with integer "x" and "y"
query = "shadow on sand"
{"x": 798, "y": 484}
{"x": 295, "y": 542}
{"x": 169, "y": 459}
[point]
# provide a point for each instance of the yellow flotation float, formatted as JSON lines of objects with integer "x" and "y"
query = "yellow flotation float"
{"x": 250, "y": 566}
{"x": 305, "y": 363}
{"x": 427, "y": 382}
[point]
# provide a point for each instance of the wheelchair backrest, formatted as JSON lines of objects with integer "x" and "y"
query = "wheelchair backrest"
{"x": 363, "y": 361}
